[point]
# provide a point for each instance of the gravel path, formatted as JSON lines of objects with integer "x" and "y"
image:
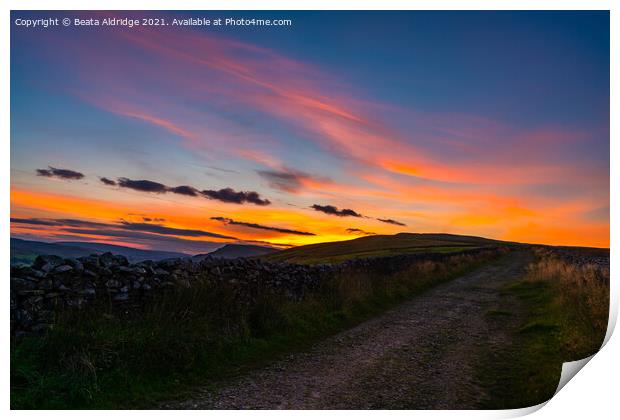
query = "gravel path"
{"x": 420, "y": 355}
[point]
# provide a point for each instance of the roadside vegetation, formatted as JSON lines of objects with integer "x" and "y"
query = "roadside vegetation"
{"x": 111, "y": 357}
{"x": 565, "y": 307}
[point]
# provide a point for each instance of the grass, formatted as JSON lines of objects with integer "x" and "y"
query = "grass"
{"x": 379, "y": 245}
{"x": 566, "y": 310}
{"x": 107, "y": 357}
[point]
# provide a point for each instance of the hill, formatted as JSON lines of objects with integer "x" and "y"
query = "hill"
{"x": 239, "y": 251}
{"x": 24, "y": 252}
{"x": 380, "y": 245}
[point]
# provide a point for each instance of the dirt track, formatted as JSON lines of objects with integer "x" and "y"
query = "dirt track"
{"x": 420, "y": 355}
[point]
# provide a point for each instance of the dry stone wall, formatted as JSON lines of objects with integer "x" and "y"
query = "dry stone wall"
{"x": 53, "y": 283}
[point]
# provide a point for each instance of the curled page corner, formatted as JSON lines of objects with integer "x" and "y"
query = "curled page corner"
{"x": 570, "y": 369}
{"x": 521, "y": 412}
{"x": 611, "y": 323}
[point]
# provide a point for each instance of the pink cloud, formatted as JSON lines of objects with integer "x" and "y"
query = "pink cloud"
{"x": 199, "y": 68}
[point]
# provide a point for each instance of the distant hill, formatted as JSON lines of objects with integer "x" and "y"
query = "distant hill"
{"x": 378, "y": 245}
{"x": 238, "y": 251}
{"x": 24, "y": 252}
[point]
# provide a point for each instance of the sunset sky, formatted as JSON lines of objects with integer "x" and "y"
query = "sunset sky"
{"x": 342, "y": 125}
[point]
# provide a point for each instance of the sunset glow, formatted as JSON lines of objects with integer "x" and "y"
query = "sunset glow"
{"x": 186, "y": 138}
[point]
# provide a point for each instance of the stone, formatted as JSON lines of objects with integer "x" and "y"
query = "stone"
{"x": 113, "y": 284}
{"x": 138, "y": 270}
{"x": 35, "y": 292}
{"x": 122, "y": 296}
{"x": 170, "y": 263}
{"x": 121, "y": 260}
{"x": 62, "y": 269}
{"x": 52, "y": 283}
{"x": 46, "y": 268}
{"x": 28, "y": 272}
{"x": 106, "y": 259}
{"x": 91, "y": 262}
{"x": 22, "y": 284}
{"x": 49, "y": 261}
{"x": 76, "y": 264}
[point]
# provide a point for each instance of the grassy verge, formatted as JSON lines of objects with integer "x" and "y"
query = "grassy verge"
{"x": 566, "y": 310}
{"x": 112, "y": 358}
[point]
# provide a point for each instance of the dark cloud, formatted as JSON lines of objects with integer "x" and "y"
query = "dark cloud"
{"x": 392, "y": 222}
{"x": 52, "y": 172}
{"x": 150, "y": 240}
{"x": 107, "y": 181}
{"x": 228, "y": 195}
{"x": 263, "y": 227}
{"x": 153, "y": 219}
{"x": 359, "y": 231}
{"x": 78, "y": 222}
{"x": 166, "y": 230}
{"x": 122, "y": 225}
{"x": 185, "y": 190}
{"x": 35, "y": 222}
{"x": 57, "y": 222}
{"x": 335, "y": 211}
{"x": 143, "y": 234}
{"x": 288, "y": 180}
{"x": 271, "y": 244}
{"x": 281, "y": 180}
{"x": 223, "y": 169}
{"x": 142, "y": 185}
{"x": 115, "y": 233}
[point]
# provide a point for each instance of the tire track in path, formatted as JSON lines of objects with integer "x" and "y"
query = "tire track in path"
{"x": 419, "y": 355}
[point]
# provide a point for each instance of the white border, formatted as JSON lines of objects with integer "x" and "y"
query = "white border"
{"x": 593, "y": 394}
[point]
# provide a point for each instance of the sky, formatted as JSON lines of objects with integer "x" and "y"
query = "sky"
{"x": 341, "y": 125}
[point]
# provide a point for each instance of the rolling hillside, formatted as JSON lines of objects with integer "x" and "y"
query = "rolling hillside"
{"x": 24, "y": 252}
{"x": 237, "y": 251}
{"x": 402, "y": 243}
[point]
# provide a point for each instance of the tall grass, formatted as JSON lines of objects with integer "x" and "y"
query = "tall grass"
{"x": 582, "y": 291}
{"x": 564, "y": 306}
{"x": 111, "y": 357}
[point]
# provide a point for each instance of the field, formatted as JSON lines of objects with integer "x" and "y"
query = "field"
{"x": 379, "y": 245}
{"x": 508, "y": 317}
